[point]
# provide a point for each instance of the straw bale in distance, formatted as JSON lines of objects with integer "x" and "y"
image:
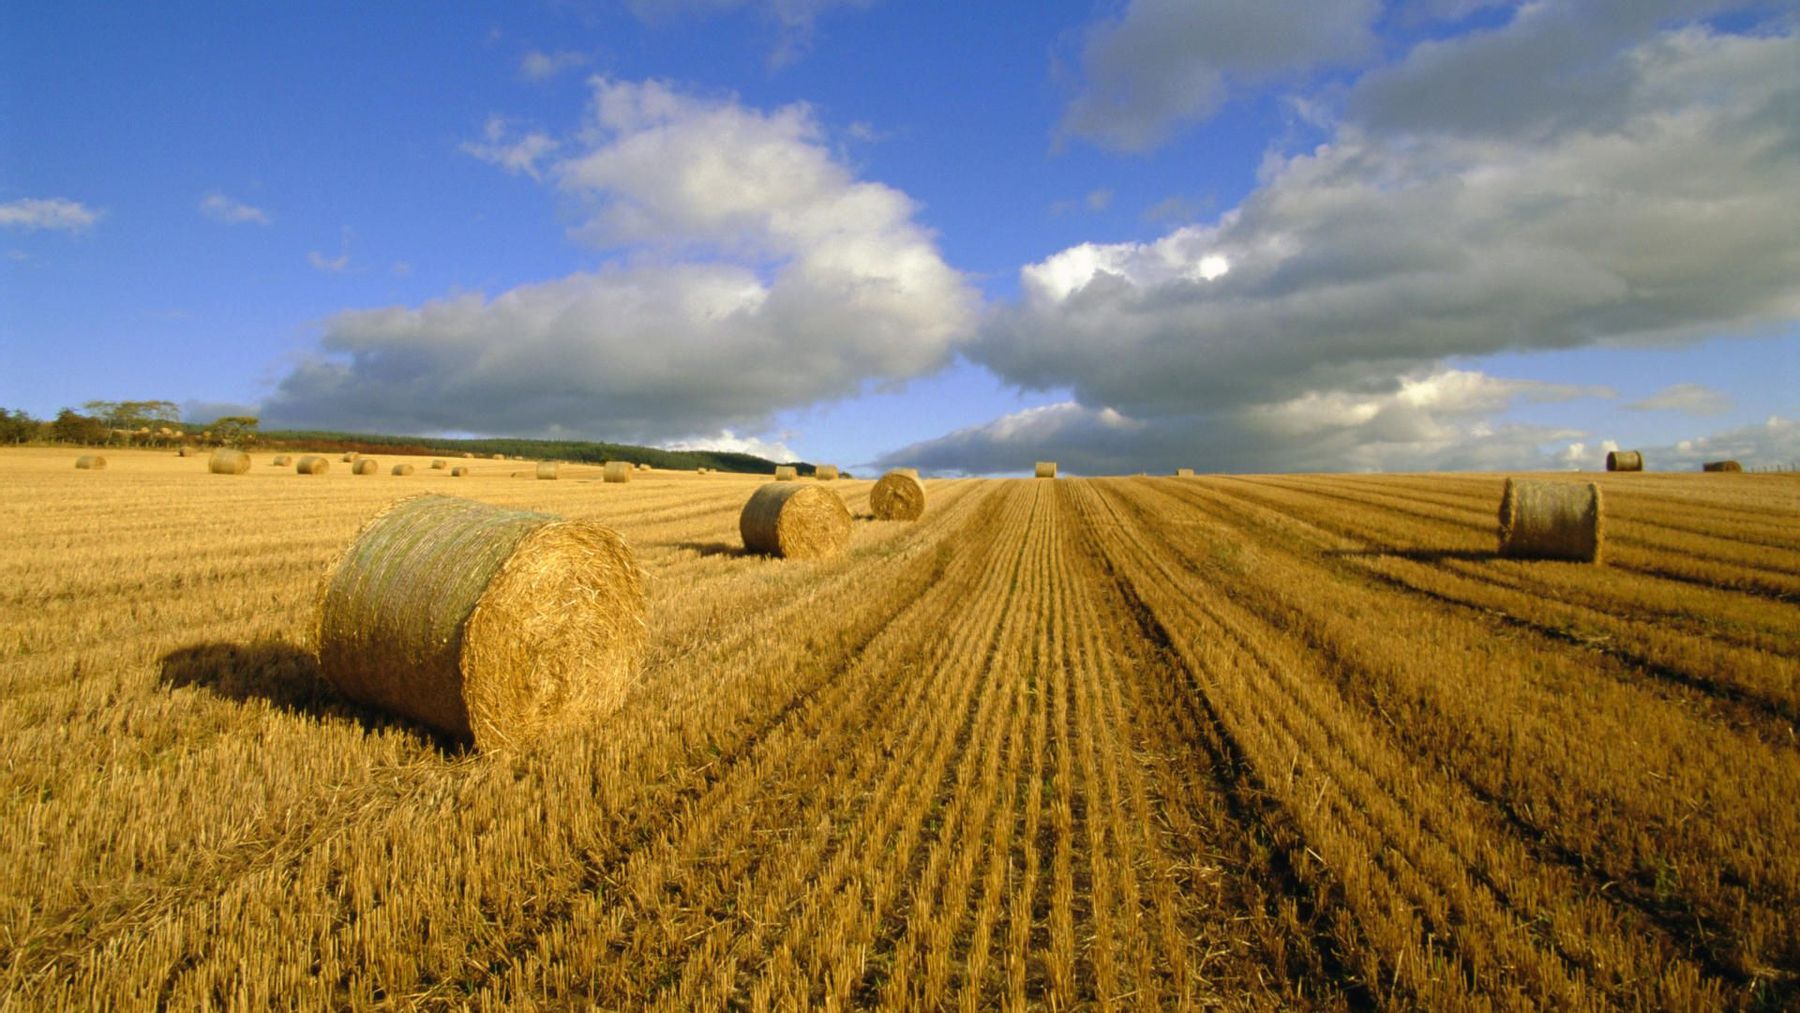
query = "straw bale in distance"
{"x": 440, "y": 464}
{"x": 499, "y": 457}
{"x": 643, "y": 466}
{"x": 1184, "y": 473}
{"x": 1721, "y": 466}
{"x": 617, "y": 471}
{"x": 826, "y": 472}
{"x": 350, "y": 458}
{"x": 365, "y": 466}
{"x": 312, "y": 465}
{"x": 226, "y": 461}
{"x": 91, "y": 462}
{"x": 484, "y": 623}
{"x": 181, "y": 451}
{"x": 281, "y": 461}
{"x": 546, "y": 469}
{"x": 468, "y": 456}
{"x": 1551, "y": 520}
{"x": 1624, "y": 460}
{"x": 459, "y": 471}
{"x": 402, "y": 469}
{"x": 794, "y": 521}
{"x": 897, "y": 496}
{"x": 1046, "y": 469}
{"x": 786, "y": 473}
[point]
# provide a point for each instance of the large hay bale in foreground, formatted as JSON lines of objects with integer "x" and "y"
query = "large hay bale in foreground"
{"x": 1046, "y": 469}
{"x": 401, "y": 469}
{"x": 1551, "y": 520}
{"x": 826, "y": 473}
{"x": 794, "y": 521}
{"x": 459, "y": 471}
{"x": 281, "y": 461}
{"x": 1721, "y": 466}
{"x": 366, "y": 466}
{"x": 617, "y": 471}
{"x": 439, "y": 465}
{"x": 484, "y": 623}
{"x": 546, "y": 470}
{"x": 786, "y": 473}
{"x": 226, "y": 461}
{"x": 90, "y": 462}
{"x": 1624, "y": 460}
{"x": 897, "y": 496}
{"x": 312, "y": 465}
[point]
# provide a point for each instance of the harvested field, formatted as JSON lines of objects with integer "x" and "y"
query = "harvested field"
{"x": 1287, "y": 741}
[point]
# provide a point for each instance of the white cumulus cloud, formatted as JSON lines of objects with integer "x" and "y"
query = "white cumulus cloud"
{"x": 54, "y": 213}
{"x": 221, "y": 208}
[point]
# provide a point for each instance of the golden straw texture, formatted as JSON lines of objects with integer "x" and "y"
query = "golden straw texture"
{"x": 350, "y": 458}
{"x": 366, "y": 466}
{"x": 618, "y": 471}
{"x": 312, "y": 465}
{"x": 546, "y": 469}
{"x": 786, "y": 473}
{"x": 226, "y": 461}
{"x": 401, "y": 469}
{"x": 1721, "y": 466}
{"x": 281, "y": 461}
{"x": 1046, "y": 469}
{"x": 826, "y": 472}
{"x": 439, "y": 465}
{"x": 459, "y": 471}
{"x": 484, "y": 623}
{"x": 897, "y": 496}
{"x": 795, "y": 521}
{"x": 90, "y": 462}
{"x": 1551, "y": 520}
{"x": 1624, "y": 460}
{"x": 1184, "y": 473}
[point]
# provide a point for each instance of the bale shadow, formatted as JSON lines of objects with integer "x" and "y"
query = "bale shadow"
{"x": 1418, "y": 555}
{"x": 713, "y": 548}
{"x": 285, "y": 677}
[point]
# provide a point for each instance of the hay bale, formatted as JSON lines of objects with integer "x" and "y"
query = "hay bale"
{"x": 826, "y": 472}
{"x": 702, "y": 471}
{"x": 897, "y": 496}
{"x": 458, "y": 471}
{"x": 617, "y": 471}
{"x": 484, "y": 623}
{"x": 349, "y": 458}
{"x": 365, "y": 466}
{"x": 468, "y": 456}
{"x": 786, "y": 473}
{"x": 312, "y": 465}
{"x": 1721, "y": 466}
{"x": 226, "y": 461}
{"x": 546, "y": 470}
{"x": 1184, "y": 473}
{"x": 1046, "y": 469}
{"x": 794, "y": 521}
{"x": 401, "y": 469}
{"x": 281, "y": 461}
{"x": 1551, "y": 520}
{"x": 499, "y": 457}
{"x": 439, "y": 464}
{"x": 642, "y": 466}
{"x": 181, "y": 451}
{"x": 1624, "y": 460}
{"x": 90, "y": 462}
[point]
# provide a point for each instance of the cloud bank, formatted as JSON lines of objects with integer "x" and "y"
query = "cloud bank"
{"x": 53, "y": 213}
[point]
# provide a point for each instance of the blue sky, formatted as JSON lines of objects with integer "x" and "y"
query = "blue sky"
{"x": 1126, "y": 236}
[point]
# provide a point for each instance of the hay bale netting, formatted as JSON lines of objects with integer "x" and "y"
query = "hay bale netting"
{"x": 1046, "y": 469}
{"x": 90, "y": 462}
{"x": 226, "y": 461}
{"x": 546, "y": 470}
{"x": 1184, "y": 473}
{"x": 312, "y": 465}
{"x": 1624, "y": 460}
{"x": 786, "y": 473}
{"x": 1551, "y": 520}
{"x": 401, "y": 469}
{"x": 897, "y": 496}
{"x": 365, "y": 466}
{"x": 617, "y": 471}
{"x": 459, "y": 471}
{"x": 439, "y": 465}
{"x": 484, "y": 623}
{"x": 281, "y": 461}
{"x": 1721, "y": 466}
{"x": 826, "y": 473}
{"x": 794, "y": 521}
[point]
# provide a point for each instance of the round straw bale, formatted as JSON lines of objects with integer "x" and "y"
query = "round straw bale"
{"x": 1184, "y": 473}
{"x": 826, "y": 472}
{"x": 281, "y": 461}
{"x": 401, "y": 469}
{"x": 90, "y": 462}
{"x": 181, "y": 451}
{"x": 1624, "y": 460}
{"x": 897, "y": 496}
{"x": 348, "y": 458}
{"x": 499, "y": 457}
{"x": 439, "y": 465}
{"x": 702, "y": 471}
{"x": 618, "y": 471}
{"x": 786, "y": 473}
{"x": 484, "y": 623}
{"x": 1551, "y": 520}
{"x": 226, "y": 461}
{"x": 365, "y": 466}
{"x": 546, "y": 469}
{"x": 1721, "y": 466}
{"x": 468, "y": 456}
{"x": 459, "y": 471}
{"x": 1046, "y": 469}
{"x": 794, "y": 521}
{"x": 642, "y": 466}
{"x": 312, "y": 464}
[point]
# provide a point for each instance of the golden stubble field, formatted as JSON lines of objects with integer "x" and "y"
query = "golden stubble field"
{"x": 1252, "y": 742}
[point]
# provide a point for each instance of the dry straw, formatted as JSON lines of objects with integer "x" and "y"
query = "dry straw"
{"x": 1551, "y": 520}
{"x": 468, "y": 456}
{"x": 1721, "y": 466}
{"x": 546, "y": 469}
{"x": 499, "y": 457}
{"x": 365, "y": 466}
{"x": 91, "y": 462}
{"x": 826, "y": 472}
{"x": 401, "y": 469}
{"x": 226, "y": 461}
{"x": 181, "y": 451}
{"x": 795, "y": 521}
{"x": 439, "y": 465}
{"x": 312, "y": 465}
{"x": 1184, "y": 473}
{"x": 786, "y": 473}
{"x": 458, "y": 471}
{"x": 350, "y": 458}
{"x": 1046, "y": 469}
{"x": 484, "y": 623}
{"x": 642, "y": 466}
{"x": 617, "y": 471}
{"x": 281, "y": 461}
{"x": 1624, "y": 460}
{"x": 897, "y": 496}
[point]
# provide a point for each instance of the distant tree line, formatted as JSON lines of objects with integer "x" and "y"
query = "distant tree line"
{"x": 124, "y": 423}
